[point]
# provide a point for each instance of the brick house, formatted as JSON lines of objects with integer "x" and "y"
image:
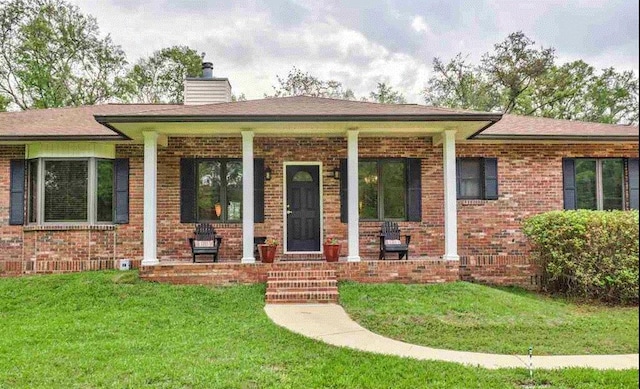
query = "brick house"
{"x": 83, "y": 188}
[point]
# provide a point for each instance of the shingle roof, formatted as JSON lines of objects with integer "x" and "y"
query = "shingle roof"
{"x": 69, "y": 122}
{"x": 514, "y": 126}
{"x": 80, "y": 123}
{"x": 302, "y": 106}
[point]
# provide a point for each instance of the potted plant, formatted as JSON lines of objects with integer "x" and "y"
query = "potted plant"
{"x": 268, "y": 250}
{"x": 331, "y": 248}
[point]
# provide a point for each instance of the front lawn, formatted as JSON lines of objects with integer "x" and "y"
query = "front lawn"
{"x": 98, "y": 329}
{"x": 471, "y": 317}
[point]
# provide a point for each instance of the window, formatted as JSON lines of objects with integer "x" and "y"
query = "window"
{"x": 599, "y": 183}
{"x": 477, "y": 178}
{"x": 382, "y": 189}
{"x": 70, "y": 190}
{"x": 470, "y": 178}
{"x": 219, "y": 190}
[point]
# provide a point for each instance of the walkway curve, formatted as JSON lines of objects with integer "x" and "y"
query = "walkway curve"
{"x": 329, "y": 323}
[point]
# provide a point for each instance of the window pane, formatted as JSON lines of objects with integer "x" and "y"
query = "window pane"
{"x": 393, "y": 189}
{"x": 234, "y": 191}
{"x": 209, "y": 203}
{"x": 612, "y": 183}
{"x": 368, "y": 189}
{"x": 104, "y": 202}
{"x": 33, "y": 190}
{"x": 470, "y": 178}
{"x": 65, "y": 191}
{"x": 586, "y": 183}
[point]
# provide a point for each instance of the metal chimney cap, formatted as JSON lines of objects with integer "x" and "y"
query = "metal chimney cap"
{"x": 207, "y": 70}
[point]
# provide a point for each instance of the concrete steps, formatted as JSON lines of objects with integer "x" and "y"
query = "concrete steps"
{"x": 301, "y": 286}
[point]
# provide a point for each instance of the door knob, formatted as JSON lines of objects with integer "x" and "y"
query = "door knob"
{"x": 289, "y": 211}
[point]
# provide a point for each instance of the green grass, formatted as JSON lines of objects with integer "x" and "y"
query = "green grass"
{"x": 471, "y": 317}
{"x": 106, "y": 329}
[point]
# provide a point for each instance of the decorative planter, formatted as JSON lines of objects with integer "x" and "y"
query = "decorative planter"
{"x": 267, "y": 253}
{"x": 331, "y": 252}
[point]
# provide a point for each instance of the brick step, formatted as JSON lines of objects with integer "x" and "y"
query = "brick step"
{"x": 301, "y": 297}
{"x": 301, "y": 284}
{"x": 301, "y": 274}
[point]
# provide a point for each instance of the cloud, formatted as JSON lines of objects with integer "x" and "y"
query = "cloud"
{"x": 361, "y": 42}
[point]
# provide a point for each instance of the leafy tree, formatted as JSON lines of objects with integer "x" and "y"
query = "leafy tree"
{"x": 612, "y": 98}
{"x": 160, "y": 77}
{"x": 386, "y": 95}
{"x": 514, "y": 65}
{"x": 240, "y": 97}
{"x": 4, "y": 102}
{"x": 457, "y": 84}
{"x": 51, "y": 55}
{"x": 298, "y": 83}
{"x": 519, "y": 78}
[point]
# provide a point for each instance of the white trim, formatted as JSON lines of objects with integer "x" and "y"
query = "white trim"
{"x": 284, "y": 203}
{"x": 71, "y": 150}
{"x": 353, "y": 214}
{"x": 150, "y": 245}
{"x": 450, "y": 201}
{"x": 248, "y": 231}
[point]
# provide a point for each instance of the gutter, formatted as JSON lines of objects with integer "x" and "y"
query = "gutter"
{"x": 105, "y": 119}
{"x": 599, "y": 138}
{"x": 14, "y": 138}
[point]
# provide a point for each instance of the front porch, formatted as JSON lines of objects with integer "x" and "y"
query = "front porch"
{"x": 229, "y": 273}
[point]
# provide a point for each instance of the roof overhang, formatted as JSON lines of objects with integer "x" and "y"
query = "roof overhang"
{"x": 465, "y": 125}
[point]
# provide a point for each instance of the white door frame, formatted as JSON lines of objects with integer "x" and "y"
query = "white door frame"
{"x": 284, "y": 204}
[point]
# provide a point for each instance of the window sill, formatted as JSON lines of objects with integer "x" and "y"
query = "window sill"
{"x": 70, "y": 227}
{"x": 473, "y": 202}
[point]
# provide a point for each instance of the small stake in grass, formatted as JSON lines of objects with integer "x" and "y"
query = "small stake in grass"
{"x": 531, "y": 362}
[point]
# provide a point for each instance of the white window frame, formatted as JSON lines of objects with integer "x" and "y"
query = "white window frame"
{"x": 92, "y": 193}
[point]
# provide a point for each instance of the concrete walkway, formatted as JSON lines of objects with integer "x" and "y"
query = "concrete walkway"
{"x": 329, "y": 323}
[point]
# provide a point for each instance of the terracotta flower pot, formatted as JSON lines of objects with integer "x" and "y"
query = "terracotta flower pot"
{"x": 267, "y": 253}
{"x": 331, "y": 252}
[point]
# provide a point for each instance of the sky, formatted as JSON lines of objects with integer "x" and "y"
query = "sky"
{"x": 364, "y": 42}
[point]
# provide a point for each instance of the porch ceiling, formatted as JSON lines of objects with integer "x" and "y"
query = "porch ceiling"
{"x": 464, "y": 129}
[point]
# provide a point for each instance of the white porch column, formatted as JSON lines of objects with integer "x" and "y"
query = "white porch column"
{"x": 450, "y": 203}
{"x": 247, "y": 197}
{"x": 352, "y": 198}
{"x": 150, "y": 256}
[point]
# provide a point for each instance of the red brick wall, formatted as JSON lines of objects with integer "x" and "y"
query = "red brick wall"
{"x": 530, "y": 182}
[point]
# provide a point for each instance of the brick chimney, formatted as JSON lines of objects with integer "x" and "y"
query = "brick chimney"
{"x": 206, "y": 89}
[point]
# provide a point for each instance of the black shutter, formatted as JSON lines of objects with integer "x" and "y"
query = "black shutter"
{"x": 121, "y": 186}
{"x": 632, "y": 169}
{"x": 343, "y": 191}
{"x": 569, "y": 182}
{"x": 490, "y": 178}
{"x": 458, "y": 178}
{"x": 187, "y": 190}
{"x": 258, "y": 190}
{"x": 16, "y": 199}
{"x": 414, "y": 190}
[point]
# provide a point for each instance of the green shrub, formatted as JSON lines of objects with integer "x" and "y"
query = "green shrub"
{"x": 587, "y": 254}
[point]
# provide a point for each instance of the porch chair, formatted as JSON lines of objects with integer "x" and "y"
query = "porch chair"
{"x": 205, "y": 241}
{"x": 390, "y": 241}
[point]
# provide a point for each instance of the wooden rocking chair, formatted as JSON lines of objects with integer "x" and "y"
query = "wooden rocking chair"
{"x": 205, "y": 241}
{"x": 390, "y": 241}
